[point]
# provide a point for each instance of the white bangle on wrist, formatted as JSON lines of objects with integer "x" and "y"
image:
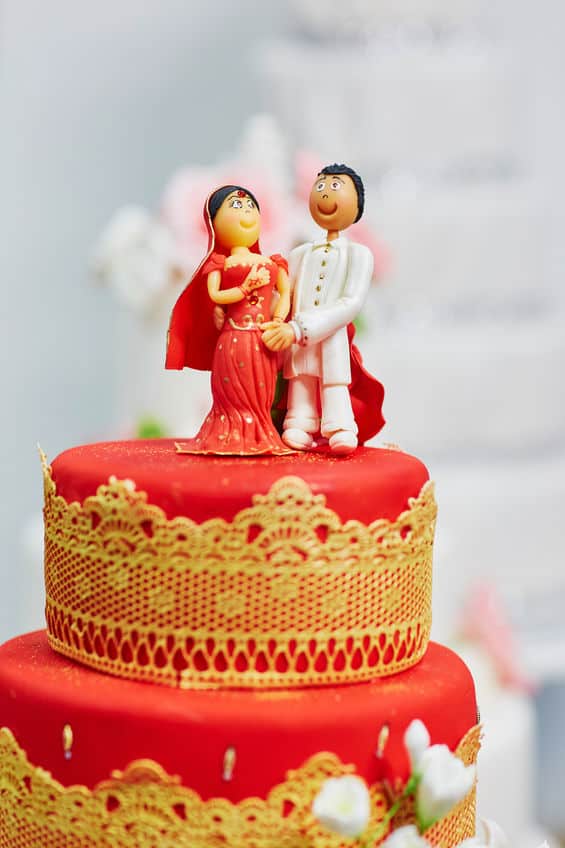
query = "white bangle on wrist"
{"x": 296, "y": 329}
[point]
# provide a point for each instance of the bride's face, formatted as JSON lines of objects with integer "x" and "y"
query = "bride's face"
{"x": 237, "y": 221}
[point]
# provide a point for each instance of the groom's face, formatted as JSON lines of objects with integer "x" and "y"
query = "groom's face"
{"x": 333, "y": 201}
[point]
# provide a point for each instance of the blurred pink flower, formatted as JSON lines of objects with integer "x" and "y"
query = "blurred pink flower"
{"x": 184, "y": 197}
{"x": 486, "y": 622}
{"x": 181, "y": 209}
{"x": 362, "y": 233}
{"x": 306, "y": 167}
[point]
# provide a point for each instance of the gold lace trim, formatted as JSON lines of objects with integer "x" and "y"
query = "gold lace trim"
{"x": 251, "y": 322}
{"x": 285, "y": 595}
{"x": 143, "y": 807}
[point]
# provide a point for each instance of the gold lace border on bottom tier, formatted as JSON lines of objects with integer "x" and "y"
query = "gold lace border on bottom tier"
{"x": 143, "y": 807}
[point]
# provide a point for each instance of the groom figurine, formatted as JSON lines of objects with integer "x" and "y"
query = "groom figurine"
{"x": 330, "y": 279}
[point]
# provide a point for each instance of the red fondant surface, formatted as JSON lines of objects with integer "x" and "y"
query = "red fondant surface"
{"x": 371, "y": 483}
{"x": 116, "y": 721}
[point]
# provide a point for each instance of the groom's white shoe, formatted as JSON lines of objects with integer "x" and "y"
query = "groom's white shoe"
{"x": 298, "y": 439}
{"x": 343, "y": 442}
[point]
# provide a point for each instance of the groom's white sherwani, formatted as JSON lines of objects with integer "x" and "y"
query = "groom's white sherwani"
{"x": 329, "y": 282}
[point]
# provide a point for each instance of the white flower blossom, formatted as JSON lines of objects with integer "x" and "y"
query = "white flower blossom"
{"x": 343, "y": 805}
{"x": 416, "y": 740}
{"x": 406, "y": 837}
{"x": 136, "y": 256}
{"x": 443, "y": 781}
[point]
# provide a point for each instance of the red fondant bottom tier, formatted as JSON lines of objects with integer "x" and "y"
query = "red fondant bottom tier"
{"x": 112, "y": 722}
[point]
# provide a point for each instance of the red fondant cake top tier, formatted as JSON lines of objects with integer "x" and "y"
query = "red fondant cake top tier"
{"x": 218, "y": 572}
{"x": 114, "y": 722}
{"x": 372, "y": 483}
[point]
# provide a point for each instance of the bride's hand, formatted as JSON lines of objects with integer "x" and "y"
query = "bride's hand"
{"x": 277, "y": 335}
{"x": 256, "y": 279}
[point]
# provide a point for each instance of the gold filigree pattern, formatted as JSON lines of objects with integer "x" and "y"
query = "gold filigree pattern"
{"x": 285, "y": 595}
{"x": 143, "y": 807}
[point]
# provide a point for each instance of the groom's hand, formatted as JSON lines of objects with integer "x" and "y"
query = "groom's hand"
{"x": 219, "y": 317}
{"x": 277, "y": 335}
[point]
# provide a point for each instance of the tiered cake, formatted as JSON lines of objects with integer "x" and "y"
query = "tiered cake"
{"x": 223, "y": 635}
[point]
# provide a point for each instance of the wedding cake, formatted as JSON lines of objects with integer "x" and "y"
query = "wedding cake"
{"x": 238, "y": 647}
{"x": 225, "y": 637}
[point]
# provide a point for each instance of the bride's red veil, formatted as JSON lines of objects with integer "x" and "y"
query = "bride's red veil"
{"x": 192, "y": 336}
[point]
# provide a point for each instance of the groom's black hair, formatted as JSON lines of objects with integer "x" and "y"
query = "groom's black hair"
{"x": 357, "y": 182}
{"x": 220, "y": 195}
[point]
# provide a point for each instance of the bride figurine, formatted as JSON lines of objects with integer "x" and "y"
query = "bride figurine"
{"x": 250, "y": 289}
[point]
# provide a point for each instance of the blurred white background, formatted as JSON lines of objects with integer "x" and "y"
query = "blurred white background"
{"x": 100, "y": 103}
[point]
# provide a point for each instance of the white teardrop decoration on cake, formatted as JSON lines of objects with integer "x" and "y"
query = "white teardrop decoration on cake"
{"x": 230, "y": 758}
{"x": 382, "y": 740}
{"x": 68, "y": 740}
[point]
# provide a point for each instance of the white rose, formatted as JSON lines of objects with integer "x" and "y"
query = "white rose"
{"x": 136, "y": 256}
{"x": 443, "y": 782}
{"x": 343, "y": 805}
{"x": 417, "y": 740}
{"x": 490, "y": 836}
{"x": 406, "y": 837}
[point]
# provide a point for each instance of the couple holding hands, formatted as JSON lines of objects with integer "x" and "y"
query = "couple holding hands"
{"x": 244, "y": 315}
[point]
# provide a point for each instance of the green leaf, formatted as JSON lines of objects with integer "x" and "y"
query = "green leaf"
{"x": 361, "y": 324}
{"x": 149, "y": 427}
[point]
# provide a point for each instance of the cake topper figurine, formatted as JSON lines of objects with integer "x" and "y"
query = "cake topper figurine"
{"x": 231, "y": 319}
{"x": 330, "y": 393}
{"x": 227, "y": 341}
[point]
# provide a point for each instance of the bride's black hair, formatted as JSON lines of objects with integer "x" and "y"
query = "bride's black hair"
{"x": 220, "y": 195}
